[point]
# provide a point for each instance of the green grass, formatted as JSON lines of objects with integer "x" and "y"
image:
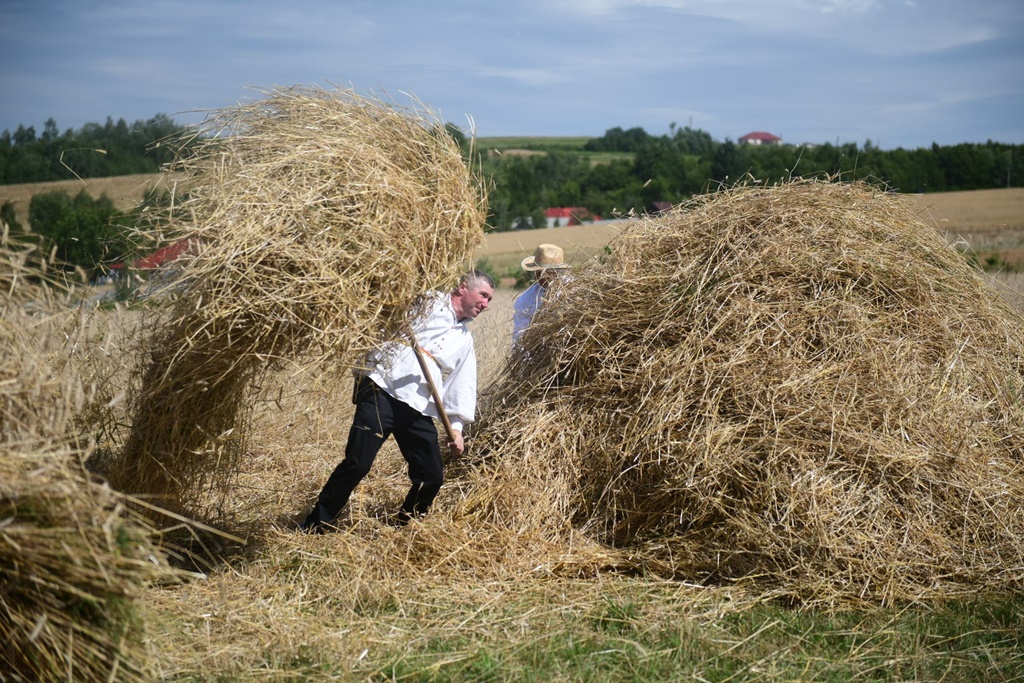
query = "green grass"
{"x": 627, "y": 640}
{"x": 646, "y": 633}
{"x": 539, "y": 144}
{"x": 552, "y": 144}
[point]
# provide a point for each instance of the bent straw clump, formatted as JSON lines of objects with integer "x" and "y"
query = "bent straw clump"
{"x": 316, "y": 219}
{"x": 73, "y": 559}
{"x": 800, "y": 386}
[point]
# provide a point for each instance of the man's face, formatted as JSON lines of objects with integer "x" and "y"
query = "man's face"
{"x": 472, "y": 299}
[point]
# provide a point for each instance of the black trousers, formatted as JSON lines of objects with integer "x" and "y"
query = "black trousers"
{"x": 377, "y": 417}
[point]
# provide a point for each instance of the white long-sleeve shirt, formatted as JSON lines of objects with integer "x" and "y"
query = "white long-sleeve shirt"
{"x": 449, "y": 343}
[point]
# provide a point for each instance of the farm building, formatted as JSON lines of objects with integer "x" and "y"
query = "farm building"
{"x": 561, "y": 216}
{"x": 161, "y": 257}
{"x": 760, "y": 138}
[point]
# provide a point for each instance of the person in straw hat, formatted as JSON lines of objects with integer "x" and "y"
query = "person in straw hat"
{"x": 396, "y": 397}
{"x": 548, "y": 263}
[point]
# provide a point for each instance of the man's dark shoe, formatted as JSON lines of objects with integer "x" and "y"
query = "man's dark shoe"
{"x": 312, "y": 525}
{"x": 401, "y": 519}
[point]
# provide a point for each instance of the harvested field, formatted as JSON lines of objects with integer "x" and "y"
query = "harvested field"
{"x": 704, "y": 443}
{"x": 126, "y": 192}
{"x": 74, "y": 559}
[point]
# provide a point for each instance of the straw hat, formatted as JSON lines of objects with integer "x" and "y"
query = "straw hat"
{"x": 546, "y": 256}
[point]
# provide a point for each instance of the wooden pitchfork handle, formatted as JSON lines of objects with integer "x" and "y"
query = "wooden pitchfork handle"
{"x": 433, "y": 391}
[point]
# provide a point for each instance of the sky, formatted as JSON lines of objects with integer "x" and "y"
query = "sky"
{"x": 897, "y": 73}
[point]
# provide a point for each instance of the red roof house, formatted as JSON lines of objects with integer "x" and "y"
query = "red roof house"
{"x": 559, "y": 216}
{"x": 760, "y": 138}
{"x": 160, "y": 257}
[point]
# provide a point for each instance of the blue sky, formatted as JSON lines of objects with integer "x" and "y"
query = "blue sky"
{"x": 901, "y": 73}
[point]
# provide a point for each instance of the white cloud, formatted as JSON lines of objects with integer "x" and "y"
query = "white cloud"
{"x": 525, "y": 76}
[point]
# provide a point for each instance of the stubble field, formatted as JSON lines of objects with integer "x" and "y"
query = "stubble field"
{"x": 383, "y": 604}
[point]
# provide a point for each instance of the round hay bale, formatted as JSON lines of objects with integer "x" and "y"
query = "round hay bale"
{"x": 315, "y": 220}
{"x": 319, "y": 218}
{"x": 801, "y": 385}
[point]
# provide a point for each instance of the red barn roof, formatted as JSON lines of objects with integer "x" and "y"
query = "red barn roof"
{"x": 573, "y": 213}
{"x": 761, "y": 136}
{"x": 160, "y": 257}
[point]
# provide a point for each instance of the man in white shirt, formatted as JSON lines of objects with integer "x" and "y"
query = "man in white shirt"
{"x": 395, "y": 398}
{"x": 548, "y": 262}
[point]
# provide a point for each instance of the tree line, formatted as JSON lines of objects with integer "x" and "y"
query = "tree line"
{"x": 93, "y": 151}
{"x": 653, "y": 171}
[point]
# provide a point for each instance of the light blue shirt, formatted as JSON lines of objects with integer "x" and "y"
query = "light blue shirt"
{"x": 524, "y": 308}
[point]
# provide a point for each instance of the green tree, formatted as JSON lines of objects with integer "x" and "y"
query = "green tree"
{"x": 516, "y": 194}
{"x": 456, "y": 134}
{"x": 618, "y": 140}
{"x": 664, "y": 172}
{"x": 47, "y": 208}
{"x": 611, "y": 189}
{"x": 729, "y": 163}
{"x": 83, "y": 232}
{"x": 691, "y": 141}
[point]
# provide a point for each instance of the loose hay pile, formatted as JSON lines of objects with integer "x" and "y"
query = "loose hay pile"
{"x": 800, "y": 385}
{"x": 316, "y": 219}
{"x": 72, "y": 558}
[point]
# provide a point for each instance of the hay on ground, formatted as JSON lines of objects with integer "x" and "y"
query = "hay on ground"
{"x": 316, "y": 218}
{"x": 802, "y": 386}
{"x": 73, "y": 559}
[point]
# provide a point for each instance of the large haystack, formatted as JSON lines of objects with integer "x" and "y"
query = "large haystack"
{"x": 316, "y": 219}
{"x": 72, "y": 557}
{"x": 801, "y": 385}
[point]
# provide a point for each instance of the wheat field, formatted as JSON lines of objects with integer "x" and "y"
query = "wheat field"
{"x": 451, "y": 600}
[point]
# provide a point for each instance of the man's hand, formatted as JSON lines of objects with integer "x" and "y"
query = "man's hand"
{"x": 456, "y": 444}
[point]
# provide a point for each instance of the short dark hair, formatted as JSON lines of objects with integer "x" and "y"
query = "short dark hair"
{"x": 472, "y": 277}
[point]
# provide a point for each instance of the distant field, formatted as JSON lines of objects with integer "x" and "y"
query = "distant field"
{"x": 534, "y": 143}
{"x": 524, "y": 146}
{"x": 125, "y": 191}
{"x": 988, "y": 220}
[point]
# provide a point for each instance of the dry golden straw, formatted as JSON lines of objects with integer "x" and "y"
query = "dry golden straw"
{"x": 72, "y": 557}
{"x": 801, "y": 386}
{"x": 316, "y": 219}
